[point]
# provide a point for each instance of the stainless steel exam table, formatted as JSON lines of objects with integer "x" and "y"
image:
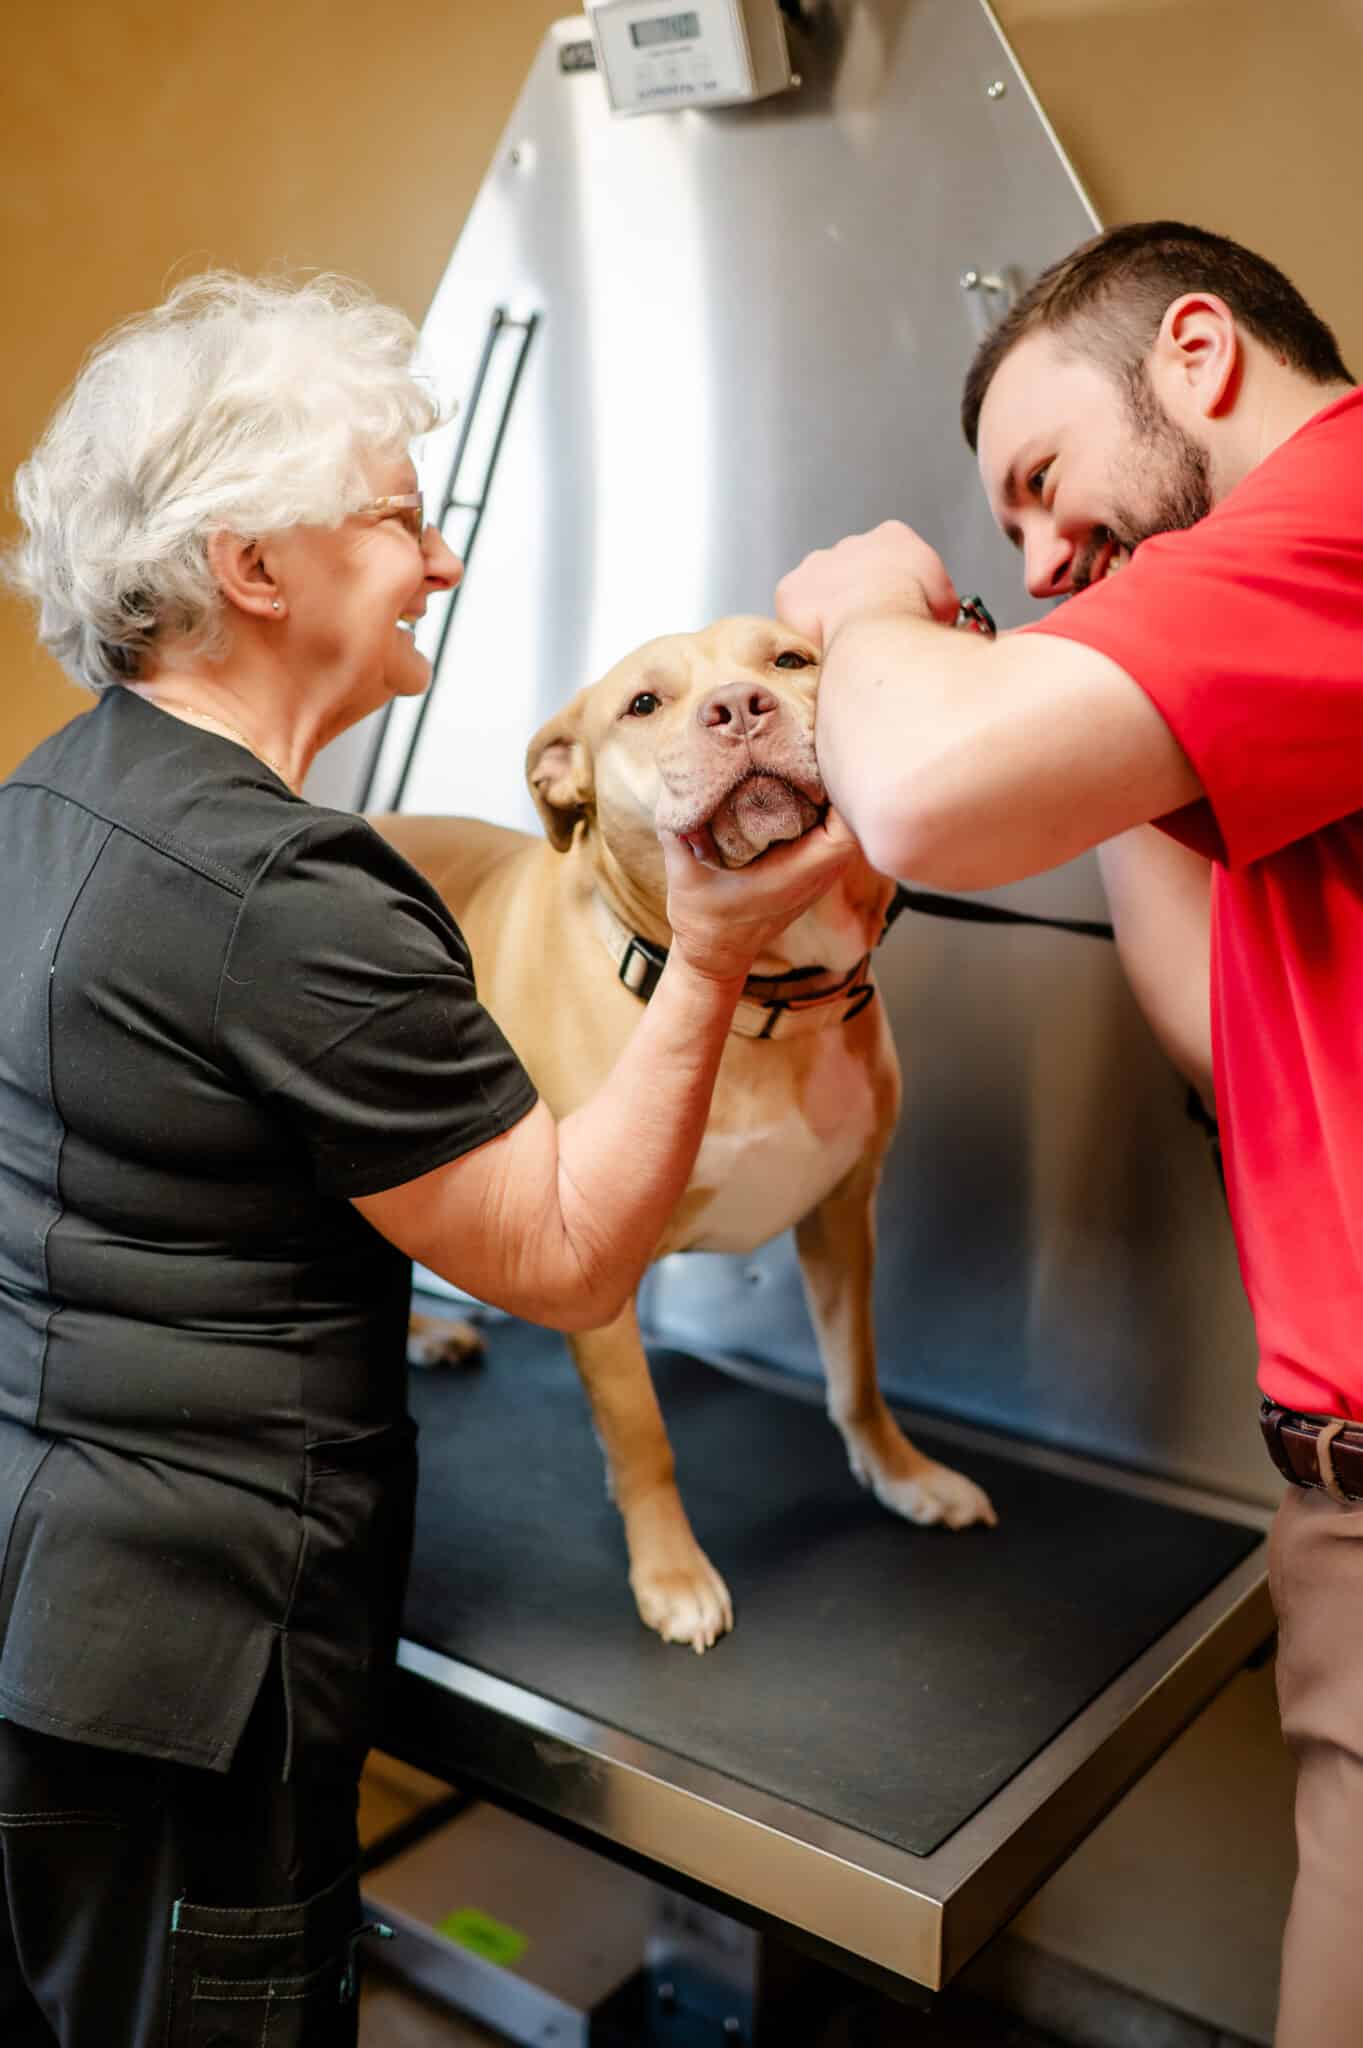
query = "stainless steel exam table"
{"x": 909, "y": 1728}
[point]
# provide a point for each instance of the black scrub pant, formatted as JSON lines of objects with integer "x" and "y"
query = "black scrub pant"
{"x": 152, "y": 1905}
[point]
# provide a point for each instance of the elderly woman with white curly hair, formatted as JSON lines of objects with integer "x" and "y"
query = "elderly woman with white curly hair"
{"x": 243, "y": 1073}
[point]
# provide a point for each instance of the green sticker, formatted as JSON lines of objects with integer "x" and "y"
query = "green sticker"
{"x": 487, "y": 1937}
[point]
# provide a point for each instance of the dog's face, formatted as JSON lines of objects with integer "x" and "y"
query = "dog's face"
{"x": 709, "y": 734}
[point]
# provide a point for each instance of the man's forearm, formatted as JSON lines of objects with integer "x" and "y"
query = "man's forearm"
{"x": 897, "y": 695}
{"x": 966, "y": 764}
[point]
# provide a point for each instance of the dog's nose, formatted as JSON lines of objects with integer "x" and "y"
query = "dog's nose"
{"x": 736, "y": 708}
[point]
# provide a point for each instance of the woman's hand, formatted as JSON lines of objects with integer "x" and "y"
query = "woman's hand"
{"x": 891, "y": 569}
{"x": 723, "y": 918}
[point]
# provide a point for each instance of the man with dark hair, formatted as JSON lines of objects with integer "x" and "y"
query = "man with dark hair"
{"x": 1109, "y": 296}
{"x": 1164, "y": 403}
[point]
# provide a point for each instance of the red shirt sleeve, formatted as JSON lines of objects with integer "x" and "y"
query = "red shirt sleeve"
{"x": 1246, "y": 632}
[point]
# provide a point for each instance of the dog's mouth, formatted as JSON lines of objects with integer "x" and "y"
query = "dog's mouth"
{"x": 758, "y": 811}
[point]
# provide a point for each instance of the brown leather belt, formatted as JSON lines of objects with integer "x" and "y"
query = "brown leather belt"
{"x": 1315, "y": 1450}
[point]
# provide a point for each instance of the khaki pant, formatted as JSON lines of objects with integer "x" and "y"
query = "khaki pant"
{"x": 1316, "y": 1575}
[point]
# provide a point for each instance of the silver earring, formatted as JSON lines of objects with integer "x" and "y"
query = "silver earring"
{"x": 274, "y": 604}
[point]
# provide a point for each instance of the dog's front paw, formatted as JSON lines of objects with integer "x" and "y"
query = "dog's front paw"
{"x": 676, "y": 1589}
{"x": 685, "y": 1606}
{"x": 443, "y": 1340}
{"x": 936, "y": 1494}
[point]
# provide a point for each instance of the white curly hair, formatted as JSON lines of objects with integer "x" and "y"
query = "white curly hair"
{"x": 239, "y": 404}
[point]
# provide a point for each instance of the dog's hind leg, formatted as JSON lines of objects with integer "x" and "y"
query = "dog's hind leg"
{"x": 836, "y": 1244}
{"x": 676, "y": 1588}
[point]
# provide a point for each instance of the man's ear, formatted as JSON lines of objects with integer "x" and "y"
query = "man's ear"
{"x": 558, "y": 767}
{"x": 1199, "y": 356}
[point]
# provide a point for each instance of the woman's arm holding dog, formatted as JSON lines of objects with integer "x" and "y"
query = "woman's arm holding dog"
{"x": 557, "y": 1222}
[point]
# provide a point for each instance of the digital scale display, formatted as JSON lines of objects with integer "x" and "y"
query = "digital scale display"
{"x": 670, "y": 56}
{"x": 662, "y": 29}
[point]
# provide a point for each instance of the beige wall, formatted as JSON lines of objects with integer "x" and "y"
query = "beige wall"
{"x": 1242, "y": 115}
{"x": 143, "y": 140}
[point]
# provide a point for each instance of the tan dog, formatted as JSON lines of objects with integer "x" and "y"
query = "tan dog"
{"x": 712, "y": 735}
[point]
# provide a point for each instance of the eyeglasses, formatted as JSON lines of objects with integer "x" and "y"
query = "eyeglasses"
{"x": 409, "y": 506}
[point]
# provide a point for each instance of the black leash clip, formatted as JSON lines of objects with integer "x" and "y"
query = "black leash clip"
{"x": 973, "y": 616}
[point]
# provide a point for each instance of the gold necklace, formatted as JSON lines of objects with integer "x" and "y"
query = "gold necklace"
{"x": 214, "y": 718}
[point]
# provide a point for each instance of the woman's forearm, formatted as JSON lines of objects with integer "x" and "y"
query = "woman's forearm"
{"x": 625, "y": 1156}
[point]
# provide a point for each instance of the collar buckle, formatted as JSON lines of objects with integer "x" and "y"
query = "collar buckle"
{"x": 641, "y": 966}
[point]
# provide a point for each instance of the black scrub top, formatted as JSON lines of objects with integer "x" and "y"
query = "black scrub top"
{"x": 223, "y": 1012}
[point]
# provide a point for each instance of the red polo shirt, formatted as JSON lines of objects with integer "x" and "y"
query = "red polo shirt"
{"x": 1246, "y": 632}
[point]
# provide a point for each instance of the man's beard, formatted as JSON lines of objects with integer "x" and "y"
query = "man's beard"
{"x": 1176, "y": 481}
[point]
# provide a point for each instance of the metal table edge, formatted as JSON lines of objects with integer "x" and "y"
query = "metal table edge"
{"x": 916, "y": 1917}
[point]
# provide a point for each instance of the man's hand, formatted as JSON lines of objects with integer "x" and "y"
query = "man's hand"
{"x": 723, "y": 918}
{"x": 890, "y": 570}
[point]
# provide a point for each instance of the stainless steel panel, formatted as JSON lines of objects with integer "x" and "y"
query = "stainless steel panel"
{"x": 752, "y": 335}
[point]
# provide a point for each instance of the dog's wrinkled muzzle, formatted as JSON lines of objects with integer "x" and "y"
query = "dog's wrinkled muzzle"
{"x": 760, "y": 812}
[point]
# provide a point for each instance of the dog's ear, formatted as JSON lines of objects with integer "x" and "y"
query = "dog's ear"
{"x": 558, "y": 768}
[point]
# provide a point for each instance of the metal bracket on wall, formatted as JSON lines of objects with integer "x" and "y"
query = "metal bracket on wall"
{"x": 989, "y": 294}
{"x": 462, "y": 503}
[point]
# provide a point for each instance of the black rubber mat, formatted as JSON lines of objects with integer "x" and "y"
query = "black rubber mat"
{"x": 890, "y": 1677}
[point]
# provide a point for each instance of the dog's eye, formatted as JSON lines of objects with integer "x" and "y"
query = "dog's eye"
{"x": 790, "y": 659}
{"x": 644, "y": 704}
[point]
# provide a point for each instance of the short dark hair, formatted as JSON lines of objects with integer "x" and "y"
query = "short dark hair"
{"x": 1109, "y": 295}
